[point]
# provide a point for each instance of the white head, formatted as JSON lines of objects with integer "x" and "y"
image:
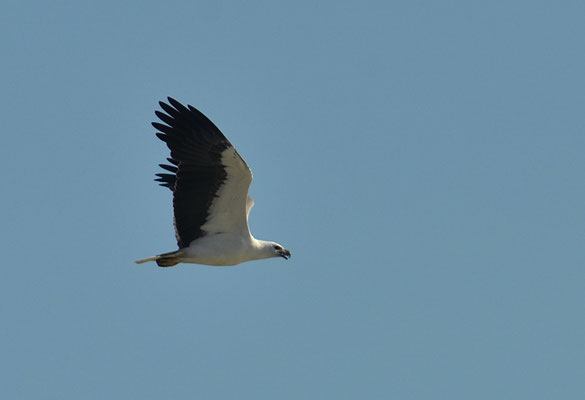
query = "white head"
{"x": 273, "y": 249}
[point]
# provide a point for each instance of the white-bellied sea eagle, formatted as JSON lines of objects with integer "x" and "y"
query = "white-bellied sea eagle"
{"x": 210, "y": 182}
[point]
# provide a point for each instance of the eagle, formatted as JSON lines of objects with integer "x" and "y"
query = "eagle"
{"x": 210, "y": 181}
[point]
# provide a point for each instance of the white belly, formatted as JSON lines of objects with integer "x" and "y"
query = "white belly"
{"x": 221, "y": 249}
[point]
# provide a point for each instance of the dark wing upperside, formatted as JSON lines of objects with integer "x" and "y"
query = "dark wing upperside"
{"x": 206, "y": 170}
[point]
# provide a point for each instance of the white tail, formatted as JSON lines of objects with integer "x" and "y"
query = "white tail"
{"x": 165, "y": 259}
{"x": 154, "y": 258}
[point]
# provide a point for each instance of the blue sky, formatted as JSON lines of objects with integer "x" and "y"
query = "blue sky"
{"x": 422, "y": 160}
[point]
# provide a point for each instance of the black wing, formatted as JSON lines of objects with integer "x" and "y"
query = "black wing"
{"x": 196, "y": 171}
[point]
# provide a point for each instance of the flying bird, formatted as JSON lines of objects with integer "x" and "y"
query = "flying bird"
{"x": 210, "y": 182}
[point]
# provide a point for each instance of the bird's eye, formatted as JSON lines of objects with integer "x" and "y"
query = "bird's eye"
{"x": 277, "y": 247}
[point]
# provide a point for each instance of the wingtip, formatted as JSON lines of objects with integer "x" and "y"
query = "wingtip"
{"x": 174, "y": 102}
{"x": 177, "y": 105}
{"x": 160, "y": 114}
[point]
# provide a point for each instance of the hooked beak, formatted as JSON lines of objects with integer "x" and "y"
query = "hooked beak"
{"x": 284, "y": 254}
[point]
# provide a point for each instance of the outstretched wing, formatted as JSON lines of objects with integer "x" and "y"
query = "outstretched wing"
{"x": 208, "y": 177}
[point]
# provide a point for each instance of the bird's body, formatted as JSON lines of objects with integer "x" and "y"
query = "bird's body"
{"x": 222, "y": 249}
{"x": 210, "y": 182}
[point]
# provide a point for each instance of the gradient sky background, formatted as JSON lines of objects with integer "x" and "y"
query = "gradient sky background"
{"x": 424, "y": 161}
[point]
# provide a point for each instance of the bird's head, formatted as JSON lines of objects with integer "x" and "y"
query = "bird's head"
{"x": 279, "y": 251}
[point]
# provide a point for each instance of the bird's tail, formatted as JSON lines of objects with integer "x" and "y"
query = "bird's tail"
{"x": 164, "y": 260}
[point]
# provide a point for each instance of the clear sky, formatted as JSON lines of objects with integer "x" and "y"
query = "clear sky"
{"x": 423, "y": 160}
